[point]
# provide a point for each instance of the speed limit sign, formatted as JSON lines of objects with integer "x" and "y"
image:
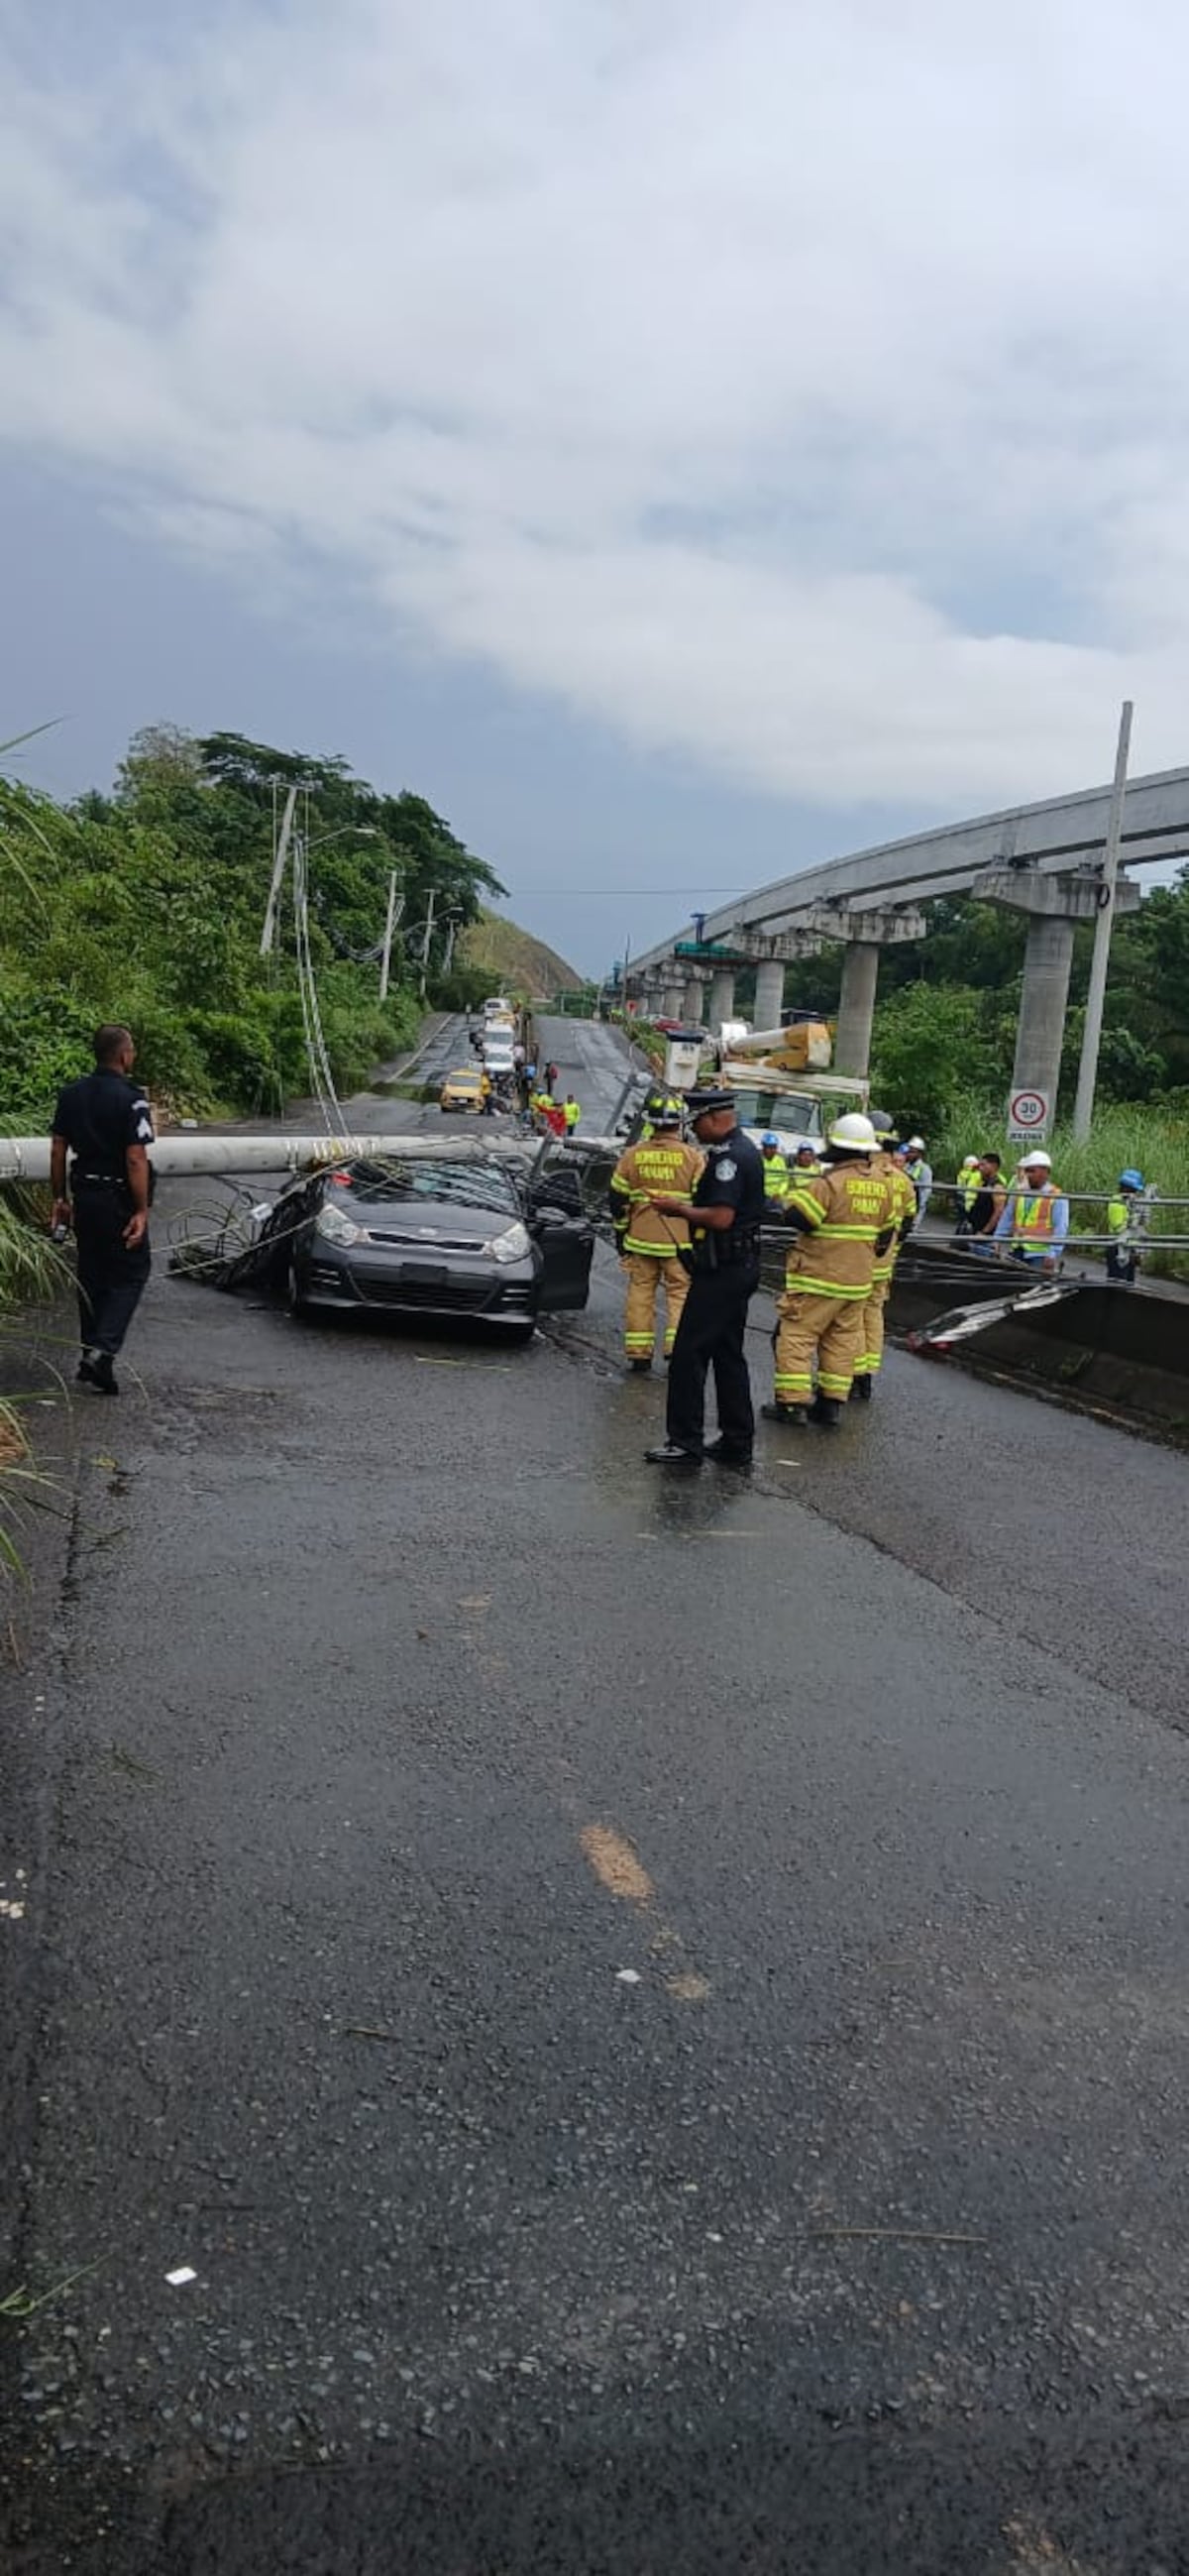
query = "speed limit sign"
{"x": 1028, "y": 1117}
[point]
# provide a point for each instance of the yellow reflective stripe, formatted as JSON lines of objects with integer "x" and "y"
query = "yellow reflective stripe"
{"x": 831, "y": 1385}
{"x": 802, "y": 1282}
{"x": 811, "y": 1209}
{"x": 655, "y": 1251}
{"x": 850, "y": 1233}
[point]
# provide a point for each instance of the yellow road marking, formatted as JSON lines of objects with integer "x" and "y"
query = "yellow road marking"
{"x": 620, "y": 1870}
{"x": 615, "y": 1863}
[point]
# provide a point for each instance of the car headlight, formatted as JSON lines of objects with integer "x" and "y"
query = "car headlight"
{"x": 512, "y": 1246}
{"x": 336, "y": 1227}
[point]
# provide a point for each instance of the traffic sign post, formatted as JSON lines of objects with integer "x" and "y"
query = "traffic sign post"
{"x": 1029, "y": 1117}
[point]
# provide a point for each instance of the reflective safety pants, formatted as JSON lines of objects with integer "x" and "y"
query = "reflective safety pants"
{"x": 648, "y": 1271}
{"x": 870, "y": 1358}
{"x": 833, "y": 1327}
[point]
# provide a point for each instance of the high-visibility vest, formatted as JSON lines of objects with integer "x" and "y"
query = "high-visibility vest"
{"x": 1032, "y": 1214}
{"x": 573, "y": 1114}
{"x": 1117, "y": 1216}
{"x": 776, "y": 1176}
{"x": 969, "y": 1182}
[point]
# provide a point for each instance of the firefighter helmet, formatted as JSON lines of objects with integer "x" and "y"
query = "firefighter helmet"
{"x": 853, "y": 1134}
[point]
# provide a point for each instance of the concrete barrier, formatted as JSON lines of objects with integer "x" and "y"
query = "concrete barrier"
{"x": 1122, "y": 1349}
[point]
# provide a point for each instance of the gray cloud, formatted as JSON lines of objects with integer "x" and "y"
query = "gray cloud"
{"x": 712, "y": 371}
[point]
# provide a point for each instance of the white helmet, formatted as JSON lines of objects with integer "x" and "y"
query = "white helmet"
{"x": 854, "y": 1134}
{"x": 916, "y": 1144}
{"x": 1035, "y": 1156}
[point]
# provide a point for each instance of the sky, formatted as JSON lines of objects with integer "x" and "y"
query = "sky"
{"x": 683, "y": 442}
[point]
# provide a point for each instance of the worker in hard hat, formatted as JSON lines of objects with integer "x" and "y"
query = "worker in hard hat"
{"x": 844, "y": 1221}
{"x": 1035, "y": 1220}
{"x": 1122, "y": 1259}
{"x": 920, "y": 1173}
{"x": 650, "y": 1244}
{"x": 776, "y": 1170}
{"x": 966, "y": 1190}
{"x": 805, "y": 1160}
{"x": 870, "y": 1358}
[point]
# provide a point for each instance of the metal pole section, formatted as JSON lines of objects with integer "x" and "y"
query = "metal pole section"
{"x": 389, "y": 927}
{"x": 425, "y": 944}
{"x": 1083, "y": 1112}
{"x": 281, "y": 853}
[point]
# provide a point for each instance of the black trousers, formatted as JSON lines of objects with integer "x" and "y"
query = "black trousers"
{"x": 710, "y": 1335}
{"x": 111, "y": 1279}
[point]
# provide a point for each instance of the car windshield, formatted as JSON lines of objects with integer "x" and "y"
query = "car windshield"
{"x": 480, "y": 1185}
{"x": 794, "y": 1110}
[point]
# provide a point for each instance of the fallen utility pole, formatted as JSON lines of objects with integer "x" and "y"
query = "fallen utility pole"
{"x": 27, "y": 1158}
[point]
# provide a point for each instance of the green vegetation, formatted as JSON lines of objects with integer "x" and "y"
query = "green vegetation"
{"x": 147, "y": 906}
{"x": 508, "y": 961}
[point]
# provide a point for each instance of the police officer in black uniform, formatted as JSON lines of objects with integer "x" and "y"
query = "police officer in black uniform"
{"x": 105, "y": 1123}
{"x": 724, "y": 1216}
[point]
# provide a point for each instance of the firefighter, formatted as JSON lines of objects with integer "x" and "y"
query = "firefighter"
{"x": 844, "y": 1222}
{"x": 776, "y": 1170}
{"x": 648, "y": 1242}
{"x": 870, "y": 1358}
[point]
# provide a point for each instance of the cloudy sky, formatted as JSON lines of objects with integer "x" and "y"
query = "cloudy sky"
{"x": 683, "y": 440}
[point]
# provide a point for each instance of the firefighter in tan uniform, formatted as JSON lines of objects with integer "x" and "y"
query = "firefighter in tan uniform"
{"x": 661, "y": 1165}
{"x": 870, "y": 1359}
{"x": 844, "y": 1223}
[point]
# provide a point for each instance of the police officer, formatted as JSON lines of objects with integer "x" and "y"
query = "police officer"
{"x": 105, "y": 1123}
{"x": 725, "y": 1212}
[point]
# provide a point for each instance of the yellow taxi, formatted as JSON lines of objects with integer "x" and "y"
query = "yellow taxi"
{"x": 464, "y": 1089}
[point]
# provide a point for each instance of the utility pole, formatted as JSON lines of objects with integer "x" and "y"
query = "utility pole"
{"x": 425, "y": 943}
{"x": 389, "y": 927}
{"x": 280, "y": 855}
{"x": 1092, "y": 1035}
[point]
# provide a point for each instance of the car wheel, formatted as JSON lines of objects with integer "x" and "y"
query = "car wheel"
{"x": 518, "y": 1334}
{"x": 296, "y": 1303}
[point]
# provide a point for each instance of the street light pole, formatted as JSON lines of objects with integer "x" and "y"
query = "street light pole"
{"x": 425, "y": 943}
{"x": 280, "y": 856}
{"x": 1083, "y": 1113}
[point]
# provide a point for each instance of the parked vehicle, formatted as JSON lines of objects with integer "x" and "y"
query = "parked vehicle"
{"x": 409, "y": 1235}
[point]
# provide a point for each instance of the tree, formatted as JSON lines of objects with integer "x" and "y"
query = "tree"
{"x": 931, "y": 1043}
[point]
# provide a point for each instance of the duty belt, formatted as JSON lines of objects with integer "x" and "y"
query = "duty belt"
{"x": 112, "y": 1180}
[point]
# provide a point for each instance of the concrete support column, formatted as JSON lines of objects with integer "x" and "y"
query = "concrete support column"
{"x": 769, "y": 993}
{"x": 671, "y": 1002}
{"x": 722, "y": 996}
{"x": 691, "y": 1002}
{"x": 1048, "y": 957}
{"x": 856, "y": 1008}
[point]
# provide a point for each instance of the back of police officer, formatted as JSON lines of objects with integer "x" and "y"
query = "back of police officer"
{"x": 725, "y": 1212}
{"x": 105, "y": 1125}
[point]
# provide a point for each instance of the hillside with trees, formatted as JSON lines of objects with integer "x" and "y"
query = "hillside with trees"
{"x": 146, "y": 904}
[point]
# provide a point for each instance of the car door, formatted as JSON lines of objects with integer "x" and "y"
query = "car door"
{"x": 566, "y": 1245}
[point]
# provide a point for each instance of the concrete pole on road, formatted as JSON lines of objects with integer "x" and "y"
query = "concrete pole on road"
{"x": 389, "y": 927}
{"x": 856, "y": 1007}
{"x": 1092, "y": 1037}
{"x": 769, "y": 992}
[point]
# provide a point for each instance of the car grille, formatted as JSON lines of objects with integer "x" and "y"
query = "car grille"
{"x": 430, "y": 1247}
{"x": 446, "y": 1297}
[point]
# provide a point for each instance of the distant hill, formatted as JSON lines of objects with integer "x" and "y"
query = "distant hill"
{"x": 517, "y": 964}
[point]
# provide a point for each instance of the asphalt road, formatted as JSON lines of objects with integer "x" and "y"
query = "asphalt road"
{"x": 655, "y": 2013}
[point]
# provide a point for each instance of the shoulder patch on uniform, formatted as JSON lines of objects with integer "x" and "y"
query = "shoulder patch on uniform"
{"x": 725, "y": 1171}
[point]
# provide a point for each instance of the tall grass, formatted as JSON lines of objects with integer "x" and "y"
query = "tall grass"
{"x": 31, "y": 1270}
{"x": 1156, "y": 1141}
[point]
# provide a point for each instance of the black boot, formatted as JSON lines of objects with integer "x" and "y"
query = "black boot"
{"x": 826, "y": 1411}
{"x": 639, "y": 1368}
{"x": 671, "y": 1456}
{"x": 102, "y": 1373}
{"x": 794, "y": 1413}
{"x": 864, "y": 1389}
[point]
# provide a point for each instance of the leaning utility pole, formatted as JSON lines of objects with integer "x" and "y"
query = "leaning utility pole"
{"x": 425, "y": 944}
{"x": 1092, "y": 1035}
{"x": 389, "y": 927}
{"x": 280, "y": 855}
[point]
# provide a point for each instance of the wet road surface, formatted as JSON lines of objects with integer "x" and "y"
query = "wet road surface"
{"x": 655, "y": 2013}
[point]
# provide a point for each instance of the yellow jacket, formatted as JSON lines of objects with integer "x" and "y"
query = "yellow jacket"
{"x": 843, "y": 1209}
{"x": 662, "y": 1168}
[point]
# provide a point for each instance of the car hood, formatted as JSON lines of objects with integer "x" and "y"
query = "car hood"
{"x": 427, "y": 1221}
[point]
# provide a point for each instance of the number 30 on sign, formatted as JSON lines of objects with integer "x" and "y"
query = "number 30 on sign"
{"x": 1028, "y": 1117}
